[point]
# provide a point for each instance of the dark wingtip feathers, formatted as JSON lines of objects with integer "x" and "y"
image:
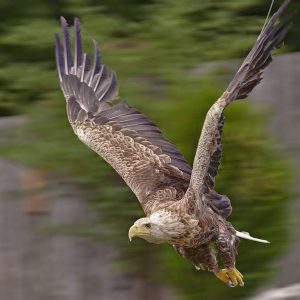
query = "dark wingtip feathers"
{"x": 284, "y": 5}
{"x": 80, "y": 74}
{"x": 59, "y": 57}
{"x": 270, "y": 38}
{"x": 78, "y": 45}
{"x": 266, "y": 30}
{"x": 274, "y": 33}
{"x": 66, "y": 44}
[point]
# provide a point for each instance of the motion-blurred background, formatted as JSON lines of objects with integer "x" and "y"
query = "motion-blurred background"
{"x": 64, "y": 213}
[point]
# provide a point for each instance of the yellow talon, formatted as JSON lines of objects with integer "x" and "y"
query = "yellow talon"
{"x": 222, "y": 275}
{"x": 231, "y": 276}
{"x": 235, "y": 276}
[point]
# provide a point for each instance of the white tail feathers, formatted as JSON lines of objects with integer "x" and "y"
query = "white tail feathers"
{"x": 247, "y": 236}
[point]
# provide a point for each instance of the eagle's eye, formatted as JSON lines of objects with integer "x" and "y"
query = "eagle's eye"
{"x": 147, "y": 225}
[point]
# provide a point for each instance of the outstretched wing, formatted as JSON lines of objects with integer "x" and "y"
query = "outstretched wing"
{"x": 208, "y": 154}
{"x": 148, "y": 162}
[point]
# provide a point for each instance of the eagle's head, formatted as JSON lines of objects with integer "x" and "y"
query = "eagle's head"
{"x": 160, "y": 227}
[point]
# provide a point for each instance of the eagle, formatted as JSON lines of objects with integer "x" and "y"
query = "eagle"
{"x": 180, "y": 203}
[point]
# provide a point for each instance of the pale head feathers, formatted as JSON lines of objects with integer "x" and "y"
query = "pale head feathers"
{"x": 162, "y": 226}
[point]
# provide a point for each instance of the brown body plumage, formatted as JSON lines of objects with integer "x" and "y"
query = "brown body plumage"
{"x": 180, "y": 203}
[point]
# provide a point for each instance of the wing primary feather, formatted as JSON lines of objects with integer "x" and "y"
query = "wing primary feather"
{"x": 66, "y": 44}
{"x": 268, "y": 15}
{"x": 281, "y": 27}
{"x": 96, "y": 63}
{"x": 104, "y": 75}
{"x": 59, "y": 57}
{"x": 111, "y": 92}
{"x": 273, "y": 19}
{"x": 84, "y": 66}
{"x": 99, "y": 75}
{"x": 78, "y": 46}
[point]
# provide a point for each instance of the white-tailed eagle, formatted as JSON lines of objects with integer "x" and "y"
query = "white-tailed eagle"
{"x": 181, "y": 206}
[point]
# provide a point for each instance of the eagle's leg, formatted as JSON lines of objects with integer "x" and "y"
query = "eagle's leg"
{"x": 227, "y": 245}
{"x": 202, "y": 257}
{"x": 205, "y": 258}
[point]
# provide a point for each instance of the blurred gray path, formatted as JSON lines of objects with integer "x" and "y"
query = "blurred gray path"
{"x": 38, "y": 266}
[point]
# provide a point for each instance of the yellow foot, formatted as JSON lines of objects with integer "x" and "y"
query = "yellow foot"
{"x": 231, "y": 277}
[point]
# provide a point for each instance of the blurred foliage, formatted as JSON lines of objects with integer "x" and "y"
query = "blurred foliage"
{"x": 155, "y": 38}
{"x": 151, "y": 44}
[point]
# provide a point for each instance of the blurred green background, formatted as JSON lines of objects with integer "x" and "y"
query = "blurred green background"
{"x": 152, "y": 45}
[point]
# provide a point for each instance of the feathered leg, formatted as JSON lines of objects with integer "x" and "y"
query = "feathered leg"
{"x": 227, "y": 244}
{"x": 203, "y": 257}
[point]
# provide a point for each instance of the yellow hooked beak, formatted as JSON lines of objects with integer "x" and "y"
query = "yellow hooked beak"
{"x": 136, "y": 230}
